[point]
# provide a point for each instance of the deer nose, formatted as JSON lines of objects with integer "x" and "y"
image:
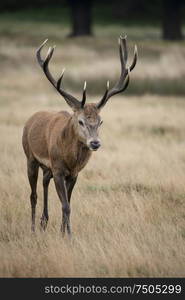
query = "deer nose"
{"x": 95, "y": 144}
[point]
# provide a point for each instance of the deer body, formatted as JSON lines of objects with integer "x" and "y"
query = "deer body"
{"x": 50, "y": 138}
{"x": 61, "y": 143}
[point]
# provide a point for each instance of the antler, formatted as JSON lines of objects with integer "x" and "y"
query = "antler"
{"x": 72, "y": 101}
{"x": 123, "y": 81}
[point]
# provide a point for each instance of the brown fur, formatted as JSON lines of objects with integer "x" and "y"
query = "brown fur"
{"x": 56, "y": 142}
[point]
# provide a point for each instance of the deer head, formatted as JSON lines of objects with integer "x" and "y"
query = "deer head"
{"x": 86, "y": 118}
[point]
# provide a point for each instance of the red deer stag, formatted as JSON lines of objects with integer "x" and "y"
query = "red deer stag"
{"x": 61, "y": 143}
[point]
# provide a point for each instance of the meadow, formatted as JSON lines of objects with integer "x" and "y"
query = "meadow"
{"x": 128, "y": 207}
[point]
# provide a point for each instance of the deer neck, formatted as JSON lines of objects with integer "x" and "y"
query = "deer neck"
{"x": 75, "y": 153}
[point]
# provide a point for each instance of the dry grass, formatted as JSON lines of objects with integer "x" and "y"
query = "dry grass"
{"x": 128, "y": 207}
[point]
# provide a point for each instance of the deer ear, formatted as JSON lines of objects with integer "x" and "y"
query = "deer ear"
{"x": 75, "y": 107}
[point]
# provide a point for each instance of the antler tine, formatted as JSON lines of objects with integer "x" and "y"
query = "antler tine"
{"x": 59, "y": 82}
{"x": 124, "y": 43}
{"x": 72, "y": 101}
{"x": 49, "y": 55}
{"x": 84, "y": 95}
{"x": 38, "y": 53}
{"x": 134, "y": 59}
{"x": 123, "y": 52}
{"x": 46, "y": 64}
{"x": 123, "y": 59}
{"x": 123, "y": 81}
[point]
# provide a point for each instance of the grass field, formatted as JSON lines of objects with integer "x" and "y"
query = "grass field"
{"x": 128, "y": 207}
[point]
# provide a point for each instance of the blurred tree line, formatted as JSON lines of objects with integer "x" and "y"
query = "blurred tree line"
{"x": 169, "y": 13}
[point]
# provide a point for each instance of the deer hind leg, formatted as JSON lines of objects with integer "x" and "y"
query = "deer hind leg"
{"x": 47, "y": 175}
{"x": 32, "y": 169}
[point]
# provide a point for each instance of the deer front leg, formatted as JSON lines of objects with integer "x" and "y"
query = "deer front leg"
{"x": 61, "y": 189}
{"x": 32, "y": 169}
{"x": 70, "y": 183}
{"x": 47, "y": 175}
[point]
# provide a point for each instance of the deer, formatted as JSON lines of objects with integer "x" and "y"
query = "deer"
{"x": 61, "y": 143}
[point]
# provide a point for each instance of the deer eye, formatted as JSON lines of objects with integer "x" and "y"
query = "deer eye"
{"x": 101, "y": 122}
{"x": 81, "y": 122}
